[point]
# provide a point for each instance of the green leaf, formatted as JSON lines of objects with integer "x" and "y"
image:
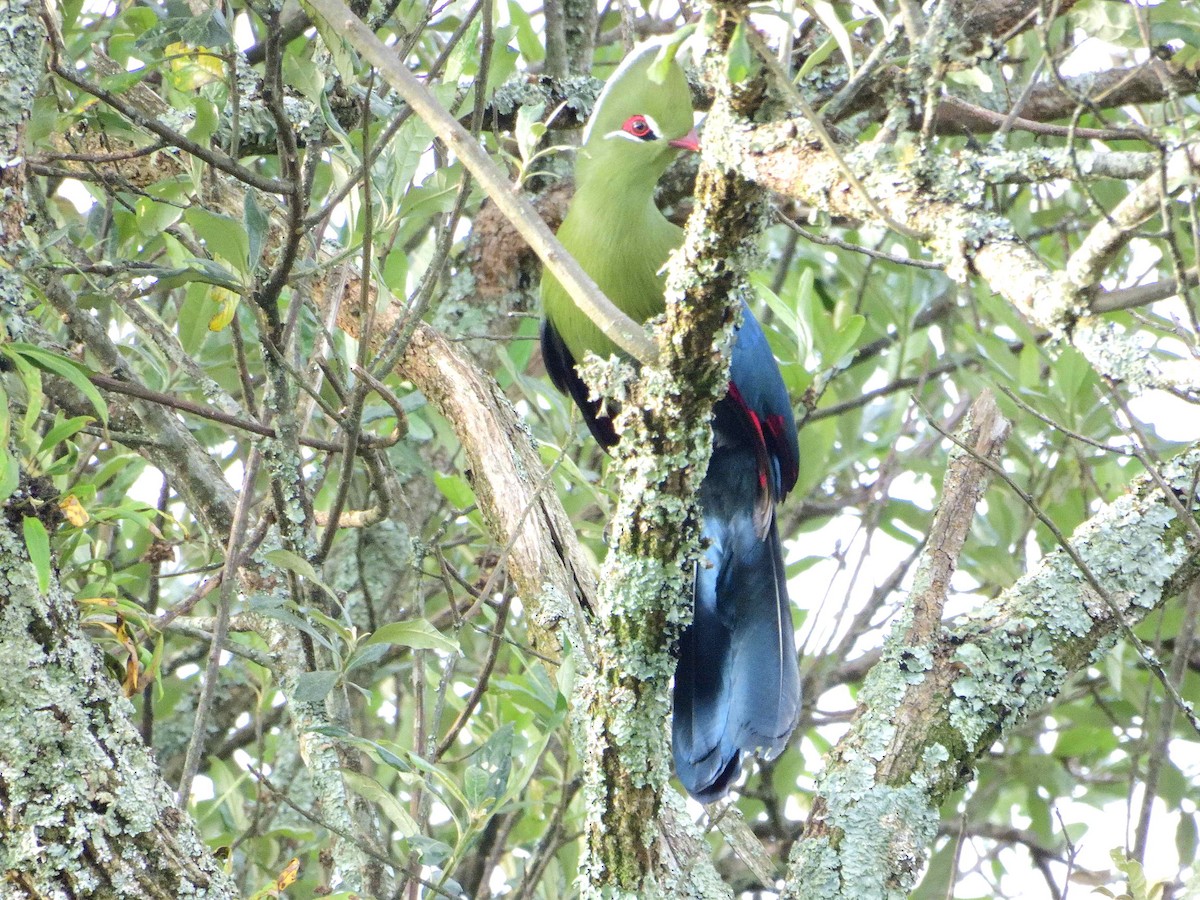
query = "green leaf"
{"x": 370, "y": 789}
{"x": 456, "y": 489}
{"x": 339, "y": 48}
{"x": 9, "y": 470}
{"x": 740, "y": 59}
{"x": 827, "y": 13}
{"x": 529, "y": 130}
{"x": 312, "y": 687}
{"x": 154, "y": 218}
{"x": 257, "y": 224}
{"x": 464, "y": 58}
{"x": 818, "y": 56}
{"x": 286, "y": 559}
{"x": 203, "y": 271}
{"x": 496, "y": 759}
{"x": 415, "y": 633}
{"x": 302, "y": 75}
{"x": 846, "y": 339}
{"x": 37, "y": 543}
{"x": 10, "y": 474}
{"x": 206, "y": 118}
{"x": 74, "y": 372}
{"x": 475, "y": 786}
{"x": 786, "y": 313}
{"x": 528, "y": 41}
{"x": 64, "y": 430}
{"x": 1185, "y": 837}
{"x": 224, "y": 237}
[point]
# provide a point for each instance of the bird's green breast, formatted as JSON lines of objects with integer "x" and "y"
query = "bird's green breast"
{"x": 624, "y": 249}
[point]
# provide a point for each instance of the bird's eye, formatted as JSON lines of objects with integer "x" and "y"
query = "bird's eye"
{"x": 640, "y": 128}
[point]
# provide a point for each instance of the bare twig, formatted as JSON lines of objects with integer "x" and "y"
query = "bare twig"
{"x": 965, "y": 482}
{"x": 220, "y": 629}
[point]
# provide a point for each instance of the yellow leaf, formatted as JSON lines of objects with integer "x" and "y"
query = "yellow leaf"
{"x": 228, "y": 301}
{"x": 288, "y": 876}
{"x": 98, "y": 601}
{"x": 74, "y": 511}
{"x": 193, "y": 67}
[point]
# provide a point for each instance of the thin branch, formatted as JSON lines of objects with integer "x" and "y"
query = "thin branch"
{"x": 1090, "y": 577}
{"x": 618, "y": 327}
{"x": 214, "y": 158}
{"x": 827, "y": 241}
{"x": 220, "y": 628}
{"x": 1142, "y": 294}
{"x": 797, "y": 99}
{"x": 968, "y": 118}
{"x": 1114, "y": 231}
{"x": 985, "y": 433}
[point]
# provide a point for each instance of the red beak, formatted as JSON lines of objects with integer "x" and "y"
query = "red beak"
{"x": 690, "y": 141}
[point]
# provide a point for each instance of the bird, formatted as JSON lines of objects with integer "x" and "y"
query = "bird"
{"x": 737, "y": 685}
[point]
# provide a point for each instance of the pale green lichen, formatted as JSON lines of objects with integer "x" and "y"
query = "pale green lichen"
{"x": 578, "y": 93}
{"x": 1007, "y": 676}
{"x": 1122, "y": 359}
{"x": 22, "y": 39}
{"x": 1011, "y": 658}
{"x": 84, "y": 799}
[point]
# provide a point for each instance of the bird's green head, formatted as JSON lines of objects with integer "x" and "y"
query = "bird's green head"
{"x": 641, "y": 120}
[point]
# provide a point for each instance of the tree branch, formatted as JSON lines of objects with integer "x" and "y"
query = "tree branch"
{"x": 787, "y": 157}
{"x": 550, "y": 570}
{"x": 877, "y": 804}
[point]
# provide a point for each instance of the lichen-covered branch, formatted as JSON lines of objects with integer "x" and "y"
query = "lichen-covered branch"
{"x": 551, "y": 573}
{"x": 83, "y": 808}
{"x": 644, "y": 601}
{"x": 1150, "y": 82}
{"x": 943, "y": 207}
{"x": 549, "y": 569}
{"x": 927, "y": 714}
{"x": 1087, "y": 264}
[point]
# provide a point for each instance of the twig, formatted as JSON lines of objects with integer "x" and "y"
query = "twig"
{"x": 965, "y": 482}
{"x": 1089, "y": 576}
{"x": 214, "y": 158}
{"x": 237, "y": 533}
{"x": 1109, "y": 235}
{"x": 781, "y": 77}
{"x": 1142, "y": 294}
{"x": 953, "y": 105}
{"x": 828, "y": 241}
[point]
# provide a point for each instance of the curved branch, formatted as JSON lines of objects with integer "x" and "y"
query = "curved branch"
{"x": 550, "y": 570}
{"x": 786, "y": 157}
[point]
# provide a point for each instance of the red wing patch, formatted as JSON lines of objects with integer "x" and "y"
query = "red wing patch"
{"x": 789, "y": 466}
{"x": 764, "y": 508}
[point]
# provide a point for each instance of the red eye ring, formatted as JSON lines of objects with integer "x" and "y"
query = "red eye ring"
{"x": 638, "y": 127}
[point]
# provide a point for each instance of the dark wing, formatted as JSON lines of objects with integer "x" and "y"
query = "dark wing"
{"x": 560, "y": 366}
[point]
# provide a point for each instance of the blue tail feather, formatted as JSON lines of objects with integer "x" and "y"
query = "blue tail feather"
{"x": 737, "y": 684}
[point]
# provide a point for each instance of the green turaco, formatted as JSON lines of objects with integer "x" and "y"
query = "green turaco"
{"x": 737, "y": 688}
